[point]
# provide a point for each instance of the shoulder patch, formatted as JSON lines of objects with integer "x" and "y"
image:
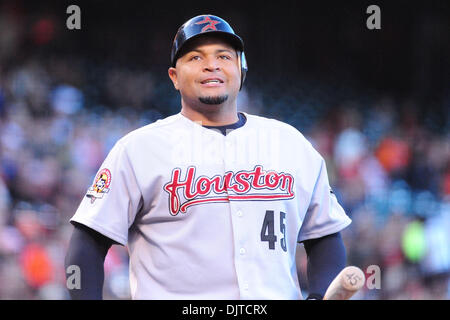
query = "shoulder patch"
{"x": 100, "y": 186}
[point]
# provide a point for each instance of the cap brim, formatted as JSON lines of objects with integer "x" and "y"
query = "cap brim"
{"x": 235, "y": 41}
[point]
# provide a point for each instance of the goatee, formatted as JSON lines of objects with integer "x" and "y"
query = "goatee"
{"x": 213, "y": 100}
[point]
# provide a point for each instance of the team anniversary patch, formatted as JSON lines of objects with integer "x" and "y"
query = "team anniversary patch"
{"x": 256, "y": 184}
{"x": 100, "y": 186}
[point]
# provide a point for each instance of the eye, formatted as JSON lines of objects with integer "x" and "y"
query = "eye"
{"x": 225, "y": 57}
{"x": 194, "y": 58}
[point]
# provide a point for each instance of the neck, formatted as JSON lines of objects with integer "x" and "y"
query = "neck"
{"x": 211, "y": 115}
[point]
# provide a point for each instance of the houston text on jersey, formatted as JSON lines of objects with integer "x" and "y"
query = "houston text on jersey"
{"x": 241, "y": 185}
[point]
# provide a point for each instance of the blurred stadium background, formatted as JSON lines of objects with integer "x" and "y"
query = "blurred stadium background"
{"x": 374, "y": 103}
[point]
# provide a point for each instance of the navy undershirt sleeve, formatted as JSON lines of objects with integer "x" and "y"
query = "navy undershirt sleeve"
{"x": 326, "y": 258}
{"x": 87, "y": 250}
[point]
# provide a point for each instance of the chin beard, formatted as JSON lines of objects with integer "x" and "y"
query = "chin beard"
{"x": 213, "y": 100}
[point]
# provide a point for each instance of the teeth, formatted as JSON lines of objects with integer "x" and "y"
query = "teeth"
{"x": 212, "y": 81}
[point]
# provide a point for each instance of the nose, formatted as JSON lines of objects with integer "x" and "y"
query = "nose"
{"x": 211, "y": 64}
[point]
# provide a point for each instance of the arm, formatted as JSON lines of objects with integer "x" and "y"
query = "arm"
{"x": 326, "y": 258}
{"x": 88, "y": 249}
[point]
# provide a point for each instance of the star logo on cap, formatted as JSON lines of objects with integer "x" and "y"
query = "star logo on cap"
{"x": 211, "y": 24}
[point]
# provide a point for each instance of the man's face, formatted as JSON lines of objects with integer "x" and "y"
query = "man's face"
{"x": 208, "y": 71}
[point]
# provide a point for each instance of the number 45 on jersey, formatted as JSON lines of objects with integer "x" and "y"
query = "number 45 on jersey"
{"x": 268, "y": 230}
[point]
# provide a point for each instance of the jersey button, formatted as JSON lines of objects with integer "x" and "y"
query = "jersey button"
{"x": 245, "y": 286}
{"x": 239, "y": 213}
{"x": 242, "y": 251}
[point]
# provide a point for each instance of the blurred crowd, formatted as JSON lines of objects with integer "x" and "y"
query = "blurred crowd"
{"x": 388, "y": 164}
{"x": 392, "y": 175}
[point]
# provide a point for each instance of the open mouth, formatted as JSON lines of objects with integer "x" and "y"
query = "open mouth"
{"x": 212, "y": 81}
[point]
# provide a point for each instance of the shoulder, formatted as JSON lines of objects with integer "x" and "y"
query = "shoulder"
{"x": 151, "y": 131}
{"x": 290, "y": 137}
{"x": 286, "y": 130}
{"x": 272, "y": 123}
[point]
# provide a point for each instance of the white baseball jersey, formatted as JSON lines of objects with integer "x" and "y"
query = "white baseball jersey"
{"x": 208, "y": 216}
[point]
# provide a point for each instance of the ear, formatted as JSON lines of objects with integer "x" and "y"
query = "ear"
{"x": 173, "y": 76}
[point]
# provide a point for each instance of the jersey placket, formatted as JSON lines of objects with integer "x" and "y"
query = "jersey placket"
{"x": 242, "y": 251}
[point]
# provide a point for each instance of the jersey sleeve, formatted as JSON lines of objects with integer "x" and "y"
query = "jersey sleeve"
{"x": 324, "y": 215}
{"x": 113, "y": 199}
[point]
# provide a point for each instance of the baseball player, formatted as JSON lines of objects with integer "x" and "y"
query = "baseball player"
{"x": 210, "y": 202}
